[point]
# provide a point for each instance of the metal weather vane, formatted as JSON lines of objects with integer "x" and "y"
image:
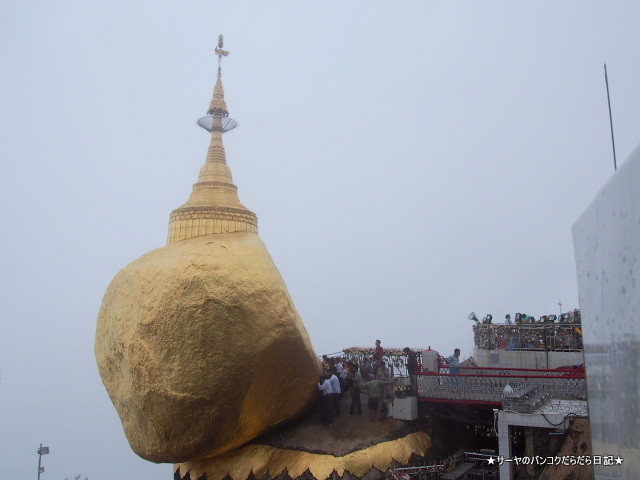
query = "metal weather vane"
{"x": 220, "y": 52}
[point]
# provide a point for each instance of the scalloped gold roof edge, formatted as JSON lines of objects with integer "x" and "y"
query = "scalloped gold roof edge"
{"x": 265, "y": 459}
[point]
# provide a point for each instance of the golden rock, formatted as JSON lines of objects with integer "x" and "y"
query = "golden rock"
{"x": 201, "y": 349}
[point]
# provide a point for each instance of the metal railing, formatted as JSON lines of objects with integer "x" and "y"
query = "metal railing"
{"x": 477, "y": 385}
{"x": 477, "y": 467}
{"x": 562, "y": 337}
{"x": 395, "y": 358}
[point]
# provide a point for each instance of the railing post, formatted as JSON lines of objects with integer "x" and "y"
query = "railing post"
{"x": 464, "y": 387}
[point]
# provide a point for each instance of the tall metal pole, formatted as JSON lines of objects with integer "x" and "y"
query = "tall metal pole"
{"x": 39, "y": 460}
{"x": 613, "y": 143}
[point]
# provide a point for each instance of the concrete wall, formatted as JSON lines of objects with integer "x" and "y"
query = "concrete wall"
{"x": 525, "y": 359}
{"x": 607, "y": 249}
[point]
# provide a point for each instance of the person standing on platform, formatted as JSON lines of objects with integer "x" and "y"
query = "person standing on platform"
{"x": 374, "y": 391}
{"x": 356, "y": 403}
{"x": 412, "y": 361}
{"x": 454, "y": 361}
{"x": 454, "y": 365}
{"x": 341, "y": 373}
{"x": 336, "y": 392}
{"x": 365, "y": 368}
{"x": 379, "y": 352}
{"x": 326, "y": 401}
{"x": 384, "y": 374}
{"x": 326, "y": 364}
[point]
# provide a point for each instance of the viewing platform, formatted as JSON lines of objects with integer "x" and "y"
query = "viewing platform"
{"x": 545, "y": 356}
{"x": 523, "y": 380}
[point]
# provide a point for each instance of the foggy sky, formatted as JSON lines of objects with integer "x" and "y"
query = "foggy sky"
{"x": 408, "y": 163}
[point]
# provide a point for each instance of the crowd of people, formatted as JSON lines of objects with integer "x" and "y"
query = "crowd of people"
{"x": 343, "y": 377}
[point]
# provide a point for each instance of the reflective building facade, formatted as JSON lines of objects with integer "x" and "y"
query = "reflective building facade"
{"x": 607, "y": 249}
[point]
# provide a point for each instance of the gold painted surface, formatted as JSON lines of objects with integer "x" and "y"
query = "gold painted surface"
{"x": 213, "y": 206}
{"x": 217, "y": 101}
{"x": 265, "y": 459}
{"x": 201, "y": 349}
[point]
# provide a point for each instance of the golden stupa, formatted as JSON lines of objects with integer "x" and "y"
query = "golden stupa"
{"x": 202, "y": 352}
{"x": 214, "y": 206}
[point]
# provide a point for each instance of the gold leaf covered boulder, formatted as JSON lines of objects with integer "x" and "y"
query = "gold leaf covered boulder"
{"x": 201, "y": 349}
{"x": 198, "y": 343}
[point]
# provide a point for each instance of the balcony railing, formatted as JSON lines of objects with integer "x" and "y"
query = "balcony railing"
{"x": 562, "y": 337}
{"x": 475, "y": 385}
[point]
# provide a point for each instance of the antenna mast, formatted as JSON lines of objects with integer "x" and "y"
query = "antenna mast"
{"x": 613, "y": 143}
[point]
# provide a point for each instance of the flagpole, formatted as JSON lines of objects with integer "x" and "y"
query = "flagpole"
{"x": 41, "y": 451}
{"x": 39, "y": 460}
{"x": 613, "y": 143}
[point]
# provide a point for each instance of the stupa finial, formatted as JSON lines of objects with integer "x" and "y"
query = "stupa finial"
{"x": 217, "y": 117}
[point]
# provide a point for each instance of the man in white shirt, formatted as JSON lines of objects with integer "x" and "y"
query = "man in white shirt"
{"x": 335, "y": 386}
{"x": 326, "y": 402}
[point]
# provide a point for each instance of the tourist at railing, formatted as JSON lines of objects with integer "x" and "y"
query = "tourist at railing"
{"x": 412, "y": 363}
{"x": 454, "y": 361}
{"x": 365, "y": 368}
{"x": 574, "y": 316}
{"x": 454, "y": 365}
{"x": 379, "y": 352}
{"x": 384, "y": 373}
{"x": 374, "y": 391}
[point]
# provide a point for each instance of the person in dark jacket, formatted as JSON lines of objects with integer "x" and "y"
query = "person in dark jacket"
{"x": 412, "y": 365}
{"x": 374, "y": 390}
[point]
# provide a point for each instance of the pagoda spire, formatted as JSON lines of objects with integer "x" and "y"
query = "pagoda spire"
{"x": 213, "y": 206}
